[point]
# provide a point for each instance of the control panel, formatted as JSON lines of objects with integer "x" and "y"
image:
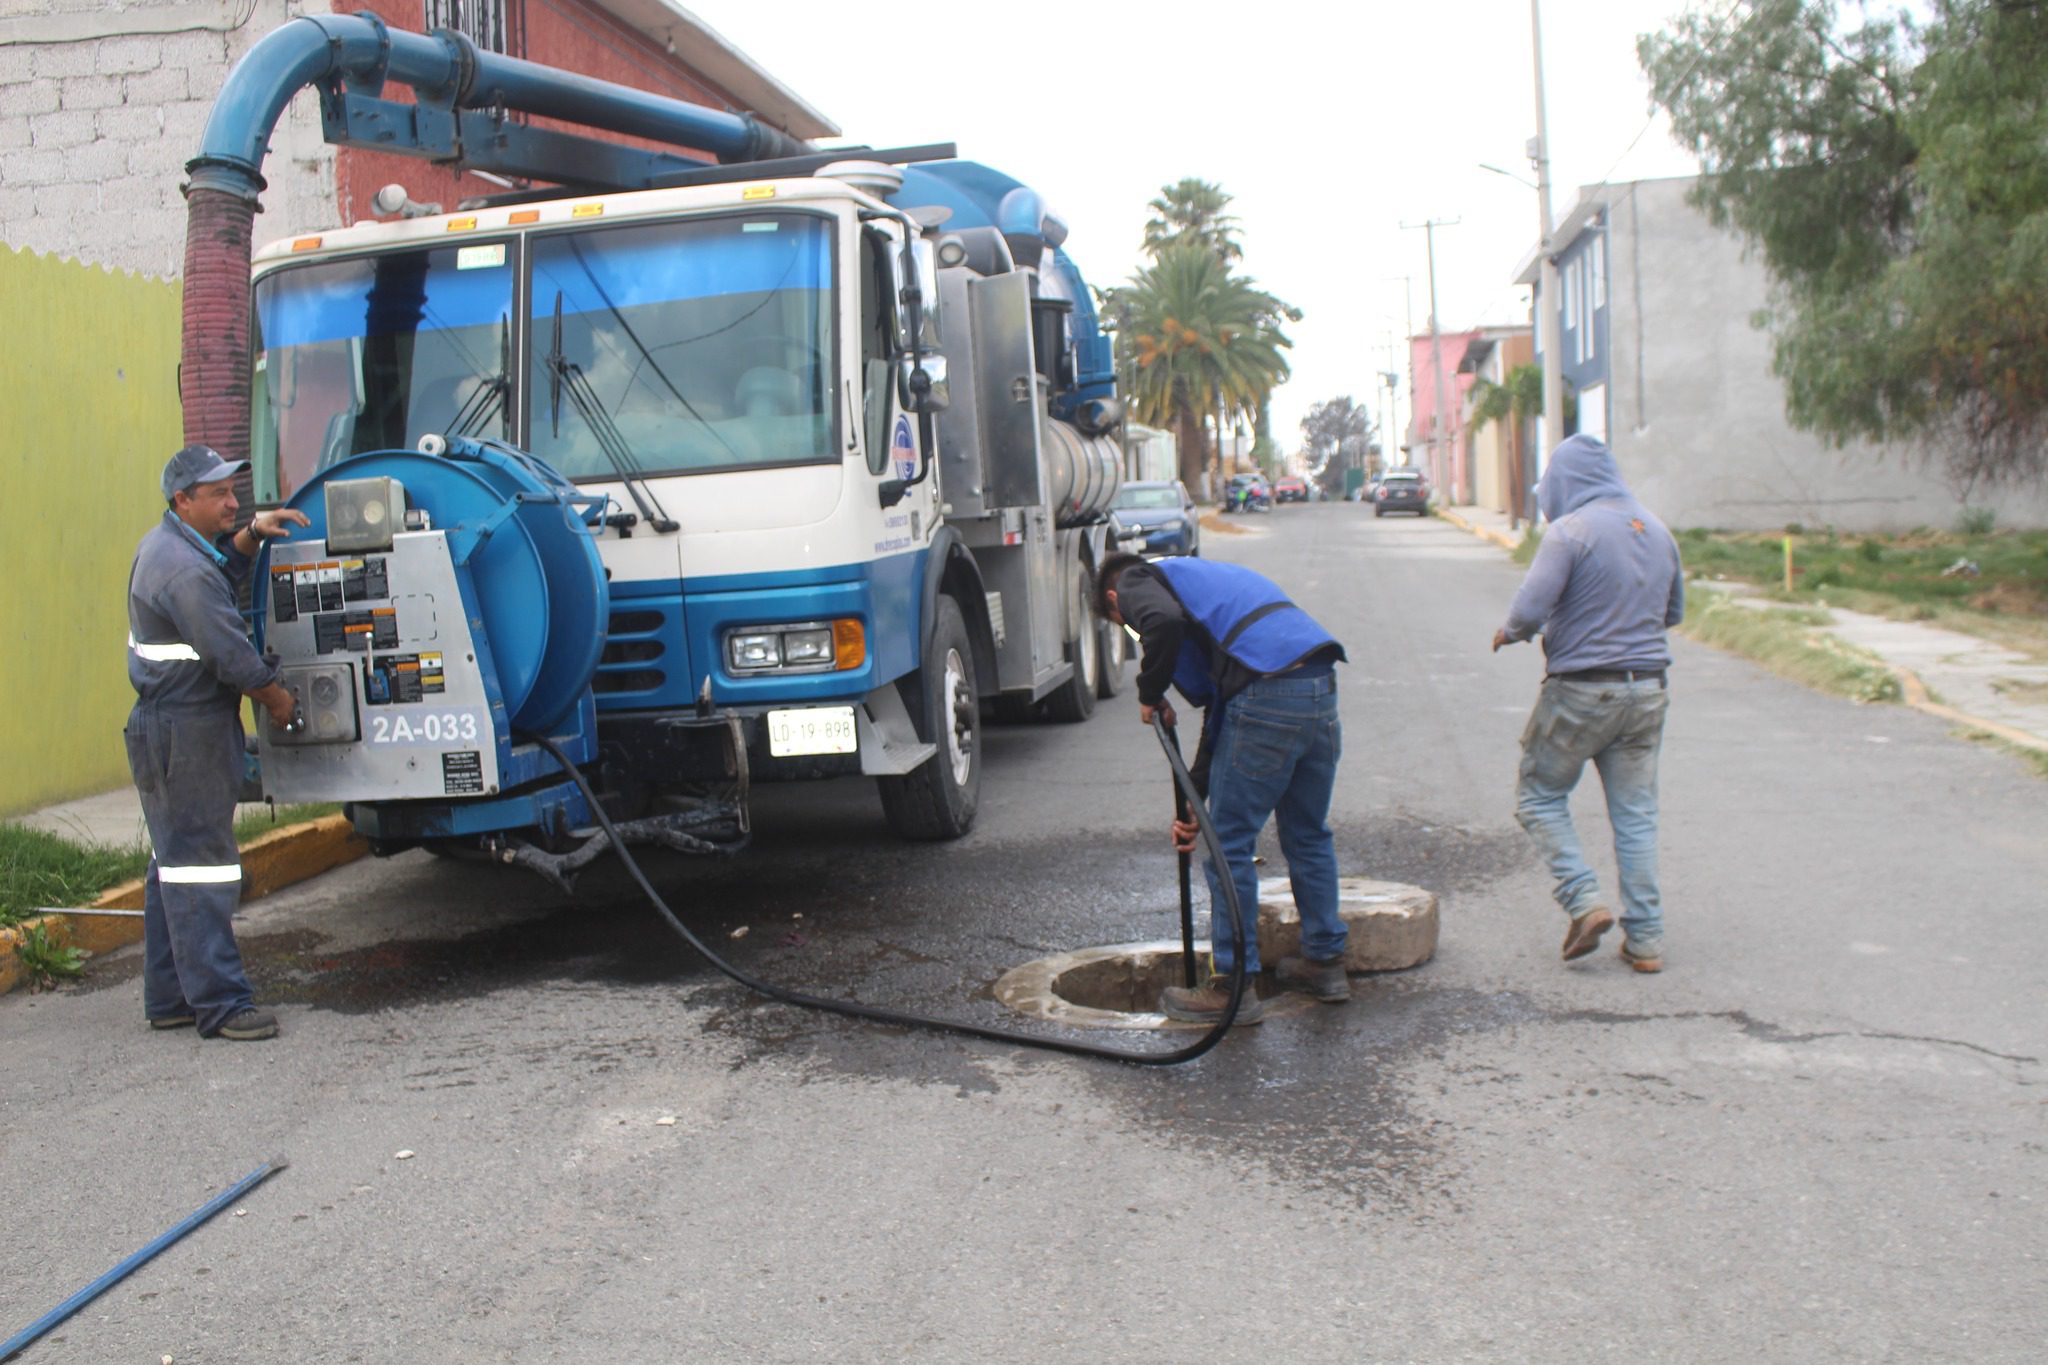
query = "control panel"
{"x": 377, "y": 650}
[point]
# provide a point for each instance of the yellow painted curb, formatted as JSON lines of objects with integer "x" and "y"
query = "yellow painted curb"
{"x": 1483, "y": 532}
{"x": 270, "y": 862}
{"x": 1915, "y": 693}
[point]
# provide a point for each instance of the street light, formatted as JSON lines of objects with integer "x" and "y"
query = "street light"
{"x": 1509, "y": 174}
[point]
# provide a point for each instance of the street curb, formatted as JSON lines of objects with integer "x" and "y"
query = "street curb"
{"x": 271, "y": 862}
{"x": 1915, "y": 694}
{"x": 1483, "y": 532}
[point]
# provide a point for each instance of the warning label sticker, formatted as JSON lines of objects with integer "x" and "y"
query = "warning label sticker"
{"x": 284, "y": 595}
{"x": 462, "y": 773}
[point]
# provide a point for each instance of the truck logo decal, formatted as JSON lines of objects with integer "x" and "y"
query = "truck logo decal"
{"x": 903, "y": 450}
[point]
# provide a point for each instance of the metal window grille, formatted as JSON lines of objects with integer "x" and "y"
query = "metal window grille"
{"x": 483, "y": 21}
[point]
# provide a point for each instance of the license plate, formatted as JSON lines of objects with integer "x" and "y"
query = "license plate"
{"x": 813, "y": 730}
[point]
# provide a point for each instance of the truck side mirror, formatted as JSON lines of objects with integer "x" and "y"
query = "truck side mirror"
{"x": 922, "y": 385}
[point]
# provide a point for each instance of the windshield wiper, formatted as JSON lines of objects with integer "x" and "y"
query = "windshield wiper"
{"x": 487, "y": 400}
{"x": 566, "y": 374}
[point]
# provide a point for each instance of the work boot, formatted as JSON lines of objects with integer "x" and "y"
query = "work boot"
{"x": 170, "y": 1021}
{"x": 1325, "y": 979}
{"x": 1205, "y": 1004}
{"x": 249, "y": 1026}
{"x": 1652, "y": 961}
{"x": 1584, "y": 935}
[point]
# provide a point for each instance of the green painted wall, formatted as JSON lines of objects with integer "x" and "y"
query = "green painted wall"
{"x": 88, "y": 415}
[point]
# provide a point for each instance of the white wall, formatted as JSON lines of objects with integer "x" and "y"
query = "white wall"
{"x": 100, "y": 109}
{"x": 1697, "y": 419}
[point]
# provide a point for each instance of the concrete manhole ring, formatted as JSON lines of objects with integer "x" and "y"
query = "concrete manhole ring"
{"x": 1393, "y": 927}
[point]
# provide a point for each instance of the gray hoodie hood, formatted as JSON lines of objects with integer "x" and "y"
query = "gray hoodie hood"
{"x": 1581, "y": 470}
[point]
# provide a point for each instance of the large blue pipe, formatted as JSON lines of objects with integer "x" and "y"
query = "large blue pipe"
{"x": 444, "y": 68}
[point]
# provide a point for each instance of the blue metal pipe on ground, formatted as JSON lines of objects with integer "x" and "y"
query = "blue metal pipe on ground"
{"x": 28, "y": 1335}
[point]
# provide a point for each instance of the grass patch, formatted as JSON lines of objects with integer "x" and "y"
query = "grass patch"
{"x": 1901, "y": 576}
{"x": 45, "y": 962}
{"x": 257, "y": 823}
{"x": 1790, "y": 641}
{"x": 1524, "y": 553}
{"x": 45, "y": 869}
{"x": 38, "y": 869}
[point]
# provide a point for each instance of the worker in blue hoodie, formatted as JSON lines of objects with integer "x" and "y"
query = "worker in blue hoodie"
{"x": 1605, "y": 586}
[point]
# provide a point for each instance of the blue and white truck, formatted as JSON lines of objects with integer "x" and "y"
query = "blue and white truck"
{"x": 779, "y": 470}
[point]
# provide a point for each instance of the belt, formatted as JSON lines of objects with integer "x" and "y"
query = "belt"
{"x": 1600, "y": 675}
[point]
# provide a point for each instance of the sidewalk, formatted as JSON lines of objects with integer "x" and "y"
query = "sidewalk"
{"x": 1483, "y": 522}
{"x": 112, "y": 818}
{"x": 1962, "y": 679}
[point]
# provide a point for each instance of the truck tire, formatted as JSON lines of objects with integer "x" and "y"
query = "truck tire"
{"x": 1115, "y": 651}
{"x": 938, "y": 799}
{"x": 1074, "y": 700}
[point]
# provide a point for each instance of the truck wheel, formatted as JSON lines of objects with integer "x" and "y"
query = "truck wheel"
{"x": 1115, "y": 651}
{"x": 938, "y": 800}
{"x": 1075, "y": 699}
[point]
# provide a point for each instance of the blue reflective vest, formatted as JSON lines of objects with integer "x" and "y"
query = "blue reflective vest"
{"x": 1245, "y": 615}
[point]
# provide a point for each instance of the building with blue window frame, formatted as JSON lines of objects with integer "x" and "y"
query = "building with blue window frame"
{"x": 1661, "y": 350}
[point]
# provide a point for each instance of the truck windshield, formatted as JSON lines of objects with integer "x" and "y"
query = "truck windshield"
{"x": 681, "y": 347}
{"x": 375, "y": 352}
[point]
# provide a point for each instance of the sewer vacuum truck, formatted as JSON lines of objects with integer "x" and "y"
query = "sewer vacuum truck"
{"x": 713, "y": 473}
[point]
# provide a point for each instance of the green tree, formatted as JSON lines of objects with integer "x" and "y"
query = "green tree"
{"x": 1335, "y": 432}
{"x": 1192, "y": 211}
{"x": 1895, "y": 177}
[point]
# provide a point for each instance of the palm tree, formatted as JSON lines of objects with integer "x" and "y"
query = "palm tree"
{"x": 1204, "y": 342}
{"x": 1514, "y": 402}
{"x": 1192, "y": 211}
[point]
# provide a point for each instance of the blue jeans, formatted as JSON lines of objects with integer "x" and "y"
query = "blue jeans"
{"x": 1274, "y": 754}
{"x": 1619, "y": 728}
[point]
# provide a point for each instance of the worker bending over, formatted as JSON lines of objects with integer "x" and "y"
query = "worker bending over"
{"x": 1264, "y": 673}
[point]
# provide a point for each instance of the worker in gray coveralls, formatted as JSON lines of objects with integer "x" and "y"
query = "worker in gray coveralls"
{"x": 191, "y": 663}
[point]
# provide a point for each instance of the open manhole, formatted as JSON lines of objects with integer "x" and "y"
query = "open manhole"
{"x": 1393, "y": 926}
{"x": 1117, "y": 986}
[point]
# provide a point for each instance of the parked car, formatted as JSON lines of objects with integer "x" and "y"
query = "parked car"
{"x": 1155, "y": 519}
{"x": 1293, "y": 488}
{"x": 1401, "y": 490}
{"x": 1247, "y": 493}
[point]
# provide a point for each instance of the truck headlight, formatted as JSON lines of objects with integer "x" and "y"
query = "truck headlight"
{"x": 802, "y": 647}
{"x": 756, "y": 650}
{"x": 806, "y": 648}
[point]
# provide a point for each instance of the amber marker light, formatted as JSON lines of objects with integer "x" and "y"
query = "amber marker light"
{"x": 849, "y": 644}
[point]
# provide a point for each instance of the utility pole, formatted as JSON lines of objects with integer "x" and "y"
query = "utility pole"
{"x": 1549, "y": 300}
{"x": 1444, "y": 455}
{"x": 1407, "y": 342}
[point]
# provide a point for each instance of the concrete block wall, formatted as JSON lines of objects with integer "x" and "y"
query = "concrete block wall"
{"x": 99, "y": 111}
{"x": 1696, "y": 418}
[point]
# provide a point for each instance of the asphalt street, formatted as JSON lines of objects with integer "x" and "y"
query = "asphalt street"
{"x": 1819, "y": 1135}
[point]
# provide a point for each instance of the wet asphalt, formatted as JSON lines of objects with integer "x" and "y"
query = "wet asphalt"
{"x": 1818, "y": 1135}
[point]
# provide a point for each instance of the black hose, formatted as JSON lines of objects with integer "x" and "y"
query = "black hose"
{"x": 1214, "y": 1035}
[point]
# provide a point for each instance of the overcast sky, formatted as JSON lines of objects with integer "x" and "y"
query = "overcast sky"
{"x": 1332, "y": 124}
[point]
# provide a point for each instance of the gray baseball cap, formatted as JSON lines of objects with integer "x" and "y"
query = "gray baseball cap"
{"x": 198, "y": 464}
